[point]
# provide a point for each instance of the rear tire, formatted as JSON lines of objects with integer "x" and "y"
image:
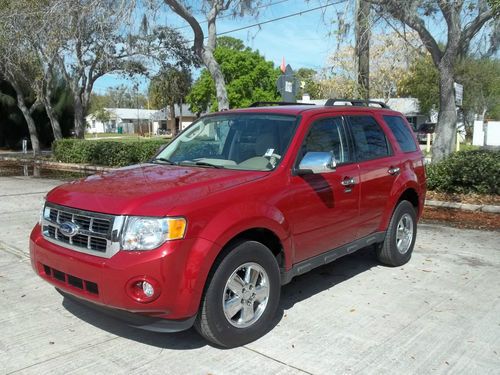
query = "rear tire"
{"x": 400, "y": 238}
{"x": 241, "y": 296}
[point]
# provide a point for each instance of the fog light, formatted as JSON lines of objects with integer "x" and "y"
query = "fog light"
{"x": 148, "y": 289}
{"x": 143, "y": 289}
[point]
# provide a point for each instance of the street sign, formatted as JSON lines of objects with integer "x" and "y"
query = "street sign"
{"x": 459, "y": 93}
{"x": 287, "y": 85}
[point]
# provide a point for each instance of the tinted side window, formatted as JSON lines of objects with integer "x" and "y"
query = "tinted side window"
{"x": 401, "y": 132}
{"x": 327, "y": 135}
{"x": 369, "y": 137}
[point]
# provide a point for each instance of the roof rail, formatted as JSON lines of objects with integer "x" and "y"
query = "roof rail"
{"x": 260, "y": 104}
{"x": 356, "y": 102}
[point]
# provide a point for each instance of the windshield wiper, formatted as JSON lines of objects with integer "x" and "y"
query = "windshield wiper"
{"x": 205, "y": 164}
{"x": 202, "y": 164}
{"x": 163, "y": 160}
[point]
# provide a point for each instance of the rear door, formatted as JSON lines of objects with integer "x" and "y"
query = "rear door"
{"x": 324, "y": 208}
{"x": 378, "y": 169}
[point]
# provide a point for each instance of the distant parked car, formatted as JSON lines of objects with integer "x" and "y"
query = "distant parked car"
{"x": 426, "y": 128}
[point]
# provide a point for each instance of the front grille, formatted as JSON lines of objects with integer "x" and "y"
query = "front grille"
{"x": 92, "y": 232}
{"x": 76, "y": 282}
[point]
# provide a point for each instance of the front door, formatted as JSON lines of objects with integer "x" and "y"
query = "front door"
{"x": 326, "y": 208}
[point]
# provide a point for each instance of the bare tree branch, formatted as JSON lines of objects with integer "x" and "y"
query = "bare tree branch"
{"x": 411, "y": 18}
{"x": 473, "y": 28}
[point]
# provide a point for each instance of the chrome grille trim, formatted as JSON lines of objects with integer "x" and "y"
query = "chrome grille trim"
{"x": 98, "y": 234}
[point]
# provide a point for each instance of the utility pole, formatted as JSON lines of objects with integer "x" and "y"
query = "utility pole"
{"x": 362, "y": 49}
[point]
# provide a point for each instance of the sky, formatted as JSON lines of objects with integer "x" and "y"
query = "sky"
{"x": 304, "y": 40}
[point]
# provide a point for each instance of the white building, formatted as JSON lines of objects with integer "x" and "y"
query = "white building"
{"x": 132, "y": 120}
{"x": 486, "y": 133}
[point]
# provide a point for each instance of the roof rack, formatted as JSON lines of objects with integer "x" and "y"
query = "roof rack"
{"x": 260, "y": 104}
{"x": 355, "y": 102}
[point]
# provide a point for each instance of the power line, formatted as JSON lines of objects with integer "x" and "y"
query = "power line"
{"x": 230, "y": 15}
{"x": 277, "y": 19}
{"x": 280, "y": 18}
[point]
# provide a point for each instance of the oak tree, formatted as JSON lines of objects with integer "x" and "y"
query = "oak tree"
{"x": 464, "y": 20}
{"x": 248, "y": 76}
{"x": 205, "y": 50}
{"x": 168, "y": 88}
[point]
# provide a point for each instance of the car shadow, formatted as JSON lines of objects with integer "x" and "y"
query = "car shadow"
{"x": 300, "y": 288}
{"x": 327, "y": 276}
{"x": 184, "y": 340}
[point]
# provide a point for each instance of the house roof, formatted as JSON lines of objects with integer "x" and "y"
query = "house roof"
{"x": 164, "y": 113}
{"x": 407, "y": 106}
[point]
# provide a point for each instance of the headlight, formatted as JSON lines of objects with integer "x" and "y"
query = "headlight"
{"x": 147, "y": 233}
{"x": 43, "y": 212}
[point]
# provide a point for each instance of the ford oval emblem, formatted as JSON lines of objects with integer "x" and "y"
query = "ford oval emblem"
{"x": 68, "y": 228}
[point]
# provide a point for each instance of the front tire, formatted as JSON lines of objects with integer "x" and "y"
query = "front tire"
{"x": 241, "y": 296}
{"x": 400, "y": 238}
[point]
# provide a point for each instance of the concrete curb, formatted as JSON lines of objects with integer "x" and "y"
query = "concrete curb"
{"x": 58, "y": 165}
{"x": 464, "y": 206}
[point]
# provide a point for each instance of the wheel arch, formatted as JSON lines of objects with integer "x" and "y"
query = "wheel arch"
{"x": 408, "y": 192}
{"x": 411, "y": 196}
{"x": 277, "y": 242}
{"x": 264, "y": 236}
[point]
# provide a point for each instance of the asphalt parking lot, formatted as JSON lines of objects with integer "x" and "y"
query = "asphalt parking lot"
{"x": 438, "y": 314}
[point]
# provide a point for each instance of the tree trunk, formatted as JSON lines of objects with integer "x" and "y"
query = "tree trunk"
{"x": 220, "y": 84}
{"x": 79, "y": 118}
{"x": 46, "y": 99}
{"x": 35, "y": 143}
{"x": 446, "y": 129}
{"x": 205, "y": 52}
{"x": 45, "y": 92}
{"x": 21, "y": 104}
{"x": 363, "y": 48}
{"x": 172, "y": 119}
{"x": 54, "y": 122}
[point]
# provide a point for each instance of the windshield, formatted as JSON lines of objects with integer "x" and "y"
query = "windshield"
{"x": 234, "y": 141}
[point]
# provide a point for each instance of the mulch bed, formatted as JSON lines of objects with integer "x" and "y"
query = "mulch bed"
{"x": 461, "y": 218}
{"x": 464, "y": 198}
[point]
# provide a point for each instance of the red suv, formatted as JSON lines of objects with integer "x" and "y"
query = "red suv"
{"x": 234, "y": 207}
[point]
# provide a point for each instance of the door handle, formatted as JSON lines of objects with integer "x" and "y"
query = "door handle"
{"x": 348, "y": 181}
{"x": 393, "y": 170}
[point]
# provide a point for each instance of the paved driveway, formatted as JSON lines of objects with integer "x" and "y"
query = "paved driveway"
{"x": 438, "y": 314}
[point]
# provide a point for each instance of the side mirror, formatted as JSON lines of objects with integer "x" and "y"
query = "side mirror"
{"x": 317, "y": 162}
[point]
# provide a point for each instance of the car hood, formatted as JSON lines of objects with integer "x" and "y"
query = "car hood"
{"x": 147, "y": 189}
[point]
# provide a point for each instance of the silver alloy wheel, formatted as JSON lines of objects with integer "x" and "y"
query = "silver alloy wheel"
{"x": 404, "y": 233}
{"x": 246, "y": 295}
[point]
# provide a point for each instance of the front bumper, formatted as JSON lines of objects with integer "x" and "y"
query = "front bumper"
{"x": 178, "y": 267}
{"x": 136, "y": 320}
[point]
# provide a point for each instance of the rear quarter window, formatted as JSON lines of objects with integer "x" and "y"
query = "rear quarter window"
{"x": 401, "y": 132}
{"x": 371, "y": 142}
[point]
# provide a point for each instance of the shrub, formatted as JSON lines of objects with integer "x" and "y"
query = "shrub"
{"x": 103, "y": 152}
{"x": 473, "y": 171}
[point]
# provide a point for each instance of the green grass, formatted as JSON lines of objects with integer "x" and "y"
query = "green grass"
{"x": 468, "y": 147}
